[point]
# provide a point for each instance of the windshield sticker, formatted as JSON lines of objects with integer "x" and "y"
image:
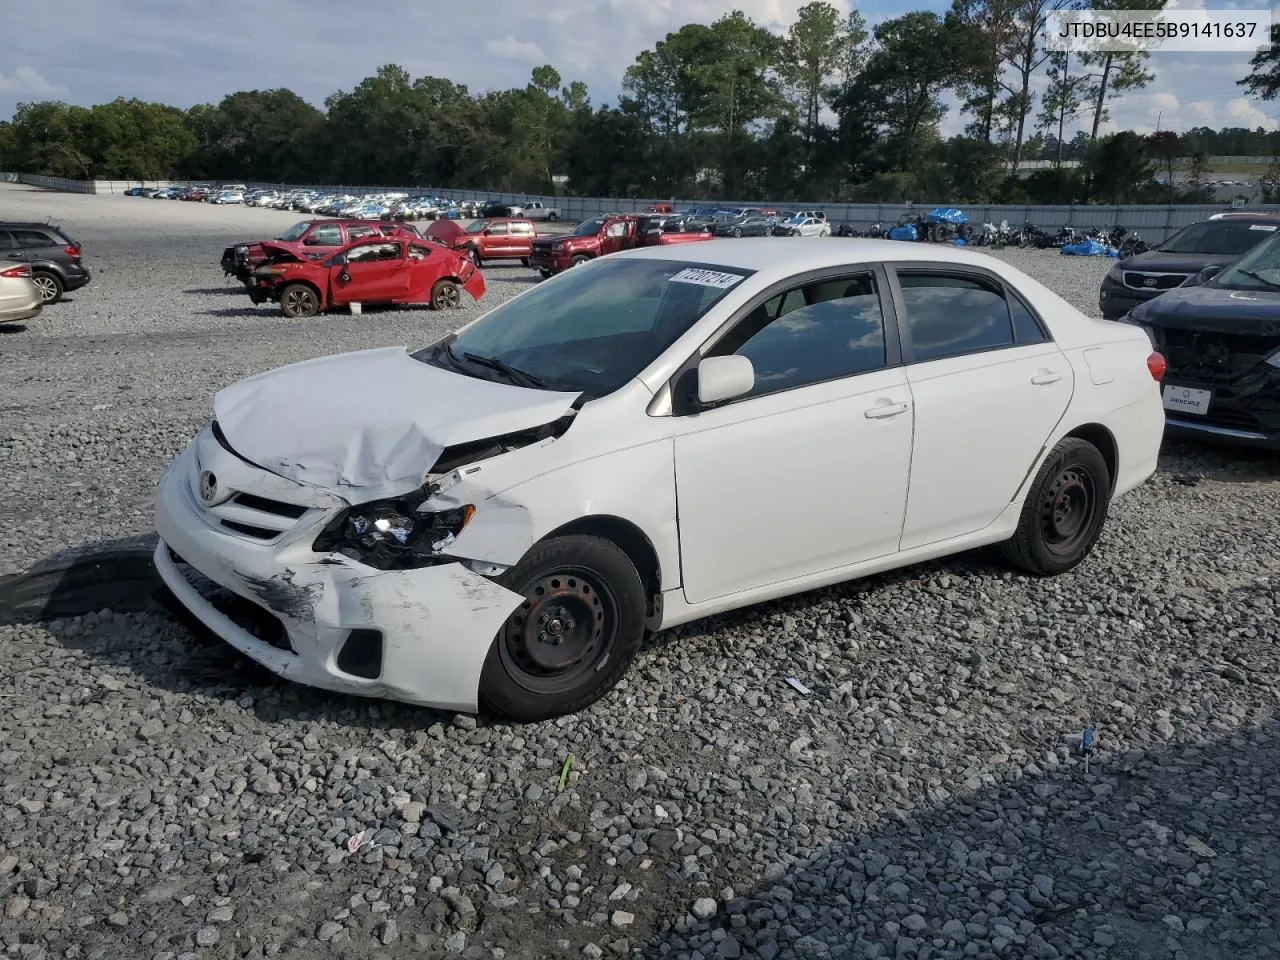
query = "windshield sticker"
{"x": 707, "y": 278}
{"x": 1263, "y": 226}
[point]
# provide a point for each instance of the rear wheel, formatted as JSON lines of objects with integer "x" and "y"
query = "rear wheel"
{"x": 553, "y": 217}
{"x": 445, "y": 295}
{"x": 50, "y": 286}
{"x": 1064, "y": 511}
{"x": 299, "y": 301}
{"x": 574, "y": 635}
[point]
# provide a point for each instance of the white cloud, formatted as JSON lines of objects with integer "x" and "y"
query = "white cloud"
{"x": 509, "y": 48}
{"x": 26, "y": 81}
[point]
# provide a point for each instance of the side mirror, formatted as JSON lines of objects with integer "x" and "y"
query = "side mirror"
{"x": 723, "y": 378}
{"x": 1205, "y": 273}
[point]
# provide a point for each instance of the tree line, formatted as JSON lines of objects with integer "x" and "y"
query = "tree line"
{"x": 830, "y": 110}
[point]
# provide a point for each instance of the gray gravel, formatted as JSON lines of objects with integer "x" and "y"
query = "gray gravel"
{"x": 163, "y": 798}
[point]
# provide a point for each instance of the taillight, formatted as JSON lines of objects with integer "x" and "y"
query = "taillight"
{"x": 1157, "y": 365}
{"x": 16, "y": 272}
{"x": 72, "y": 251}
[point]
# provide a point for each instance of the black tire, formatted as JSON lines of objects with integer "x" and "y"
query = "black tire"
{"x": 579, "y": 260}
{"x": 768, "y": 231}
{"x": 737, "y": 231}
{"x": 298, "y": 301}
{"x": 1065, "y": 509}
{"x": 590, "y": 591}
{"x": 553, "y": 217}
{"x": 50, "y": 286}
{"x": 474, "y": 254}
{"x": 544, "y": 273}
{"x": 524, "y": 261}
{"x": 446, "y": 295}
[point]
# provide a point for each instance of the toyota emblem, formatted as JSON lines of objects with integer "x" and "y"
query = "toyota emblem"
{"x": 208, "y": 487}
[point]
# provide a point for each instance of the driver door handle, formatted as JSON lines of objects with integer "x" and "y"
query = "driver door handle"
{"x": 882, "y": 410}
{"x": 1046, "y": 377}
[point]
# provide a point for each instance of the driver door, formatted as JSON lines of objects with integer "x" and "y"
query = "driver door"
{"x": 808, "y": 472}
{"x": 374, "y": 272}
{"x": 615, "y": 237}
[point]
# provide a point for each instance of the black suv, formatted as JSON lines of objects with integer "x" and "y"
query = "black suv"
{"x": 53, "y": 256}
{"x": 1213, "y": 242}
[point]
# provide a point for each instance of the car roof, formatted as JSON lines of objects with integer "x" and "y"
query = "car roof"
{"x": 29, "y": 225}
{"x": 1246, "y": 215}
{"x": 768, "y": 256}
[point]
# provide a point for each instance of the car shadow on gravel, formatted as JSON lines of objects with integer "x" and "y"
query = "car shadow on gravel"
{"x": 1223, "y": 463}
{"x": 228, "y": 288}
{"x": 1165, "y": 851}
{"x": 13, "y": 328}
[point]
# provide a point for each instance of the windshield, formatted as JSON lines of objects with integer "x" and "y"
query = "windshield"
{"x": 589, "y": 228}
{"x": 1218, "y": 237}
{"x": 475, "y": 226}
{"x": 294, "y": 232}
{"x": 594, "y": 328}
{"x": 1259, "y": 269}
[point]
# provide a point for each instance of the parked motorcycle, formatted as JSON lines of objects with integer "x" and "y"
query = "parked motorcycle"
{"x": 944, "y": 224}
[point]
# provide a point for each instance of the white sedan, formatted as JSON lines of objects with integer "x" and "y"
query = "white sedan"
{"x": 654, "y": 437}
{"x": 810, "y": 227}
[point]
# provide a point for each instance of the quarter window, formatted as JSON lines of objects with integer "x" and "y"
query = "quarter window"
{"x": 949, "y": 315}
{"x": 1026, "y": 328}
{"x": 812, "y": 333}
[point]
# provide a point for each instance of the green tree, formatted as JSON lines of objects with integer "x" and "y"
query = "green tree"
{"x": 1117, "y": 168}
{"x": 1167, "y": 147}
{"x": 809, "y": 60}
{"x": 1115, "y": 71}
{"x": 1263, "y": 80}
{"x": 1062, "y": 100}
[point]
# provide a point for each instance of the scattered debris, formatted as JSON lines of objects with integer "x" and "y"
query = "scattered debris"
{"x": 798, "y": 686}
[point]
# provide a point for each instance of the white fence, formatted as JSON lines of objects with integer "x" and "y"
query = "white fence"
{"x": 1153, "y": 222}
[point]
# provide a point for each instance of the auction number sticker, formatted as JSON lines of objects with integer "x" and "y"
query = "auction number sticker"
{"x": 707, "y": 278}
{"x": 1268, "y": 227}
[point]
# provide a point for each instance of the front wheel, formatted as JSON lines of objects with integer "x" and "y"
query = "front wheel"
{"x": 1064, "y": 511}
{"x": 298, "y": 301}
{"x": 50, "y": 287}
{"x": 544, "y": 273}
{"x": 579, "y": 260}
{"x": 574, "y": 635}
{"x": 445, "y": 295}
{"x": 768, "y": 231}
{"x": 524, "y": 261}
{"x": 737, "y": 231}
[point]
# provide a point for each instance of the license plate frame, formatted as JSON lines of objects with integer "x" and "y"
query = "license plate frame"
{"x": 1191, "y": 400}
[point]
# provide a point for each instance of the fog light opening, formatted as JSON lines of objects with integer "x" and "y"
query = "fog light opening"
{"x": 361, "y": 654}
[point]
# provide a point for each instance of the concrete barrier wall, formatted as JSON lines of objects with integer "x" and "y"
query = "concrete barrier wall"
{"x": 1154, "y": 222}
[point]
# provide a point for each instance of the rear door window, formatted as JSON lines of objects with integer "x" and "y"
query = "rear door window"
{"x": 34, "y": 238}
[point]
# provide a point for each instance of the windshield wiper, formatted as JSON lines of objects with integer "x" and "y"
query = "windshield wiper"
{"x": 1254, "y": 275}
{"x": 514, "y": 374}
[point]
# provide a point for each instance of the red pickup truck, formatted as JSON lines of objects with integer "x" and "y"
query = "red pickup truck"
{"x": 502, "y": 238}
{"x": 598, "y": 237}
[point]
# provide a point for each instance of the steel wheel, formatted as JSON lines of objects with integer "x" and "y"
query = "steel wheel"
{"x": 298, "y": 301}
{"x": 562, "y": 632}
{"x": 445, "y": 295}
{"x": 1066, "y": 509}
{"x": 50, "y": 287}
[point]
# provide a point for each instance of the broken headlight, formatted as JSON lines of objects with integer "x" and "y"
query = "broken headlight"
{"x": 394, "y": 534}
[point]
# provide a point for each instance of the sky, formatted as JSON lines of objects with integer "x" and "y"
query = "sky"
{"x": 185, "y": 52}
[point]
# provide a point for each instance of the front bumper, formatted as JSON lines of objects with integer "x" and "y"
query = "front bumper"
{"x": 435, "y": 624}
{"x": 549, "y": 260}
{"x": 1115, "y": 299}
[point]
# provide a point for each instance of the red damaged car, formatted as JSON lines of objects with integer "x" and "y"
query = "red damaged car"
{"x": 377, "y": 270}
{"x": 314, "y": 239}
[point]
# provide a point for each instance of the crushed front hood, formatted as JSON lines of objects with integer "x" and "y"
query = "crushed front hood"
{"x": 370, "y": 424}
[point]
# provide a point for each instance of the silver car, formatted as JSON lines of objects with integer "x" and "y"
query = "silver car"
{"x": 19, "y": 296}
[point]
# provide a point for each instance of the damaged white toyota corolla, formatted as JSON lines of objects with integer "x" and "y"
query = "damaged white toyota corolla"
{"x": 642, "y": 441}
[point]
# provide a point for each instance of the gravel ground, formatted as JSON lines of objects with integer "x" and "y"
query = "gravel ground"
{"x": 161, "y": 797}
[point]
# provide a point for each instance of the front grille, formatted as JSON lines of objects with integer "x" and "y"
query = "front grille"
{"x": 1163, "y": 281}
{"x": 1215, "y": 358}
{"x": 245, "y": 614}
{"x": 278, "y": 507}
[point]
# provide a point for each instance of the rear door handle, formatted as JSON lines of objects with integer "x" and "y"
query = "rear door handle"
{"x": 1045, "y": 377}
{"x": 882, "y": 410}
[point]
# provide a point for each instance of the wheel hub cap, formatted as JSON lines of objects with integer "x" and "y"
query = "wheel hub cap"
{"x": 559, "y": 625}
